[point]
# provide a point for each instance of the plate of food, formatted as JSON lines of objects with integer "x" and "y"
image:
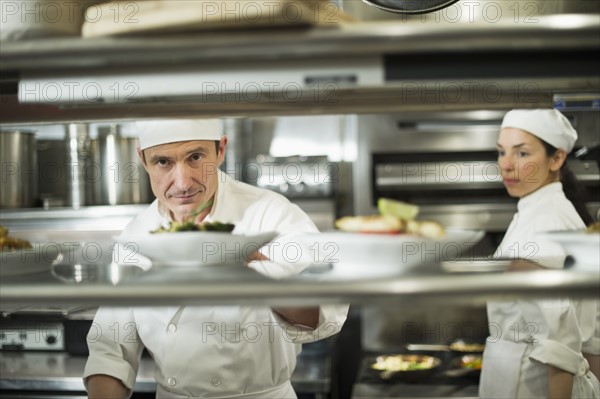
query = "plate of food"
{"x": 466, "y": 366}
{"x": 189, "y": 244}
{"x": 404, "y": 367}
{"x": 582, "y": 245}
{"x": 19, "y": 257}
{"x": 461, "y": 346}
{"x": 387, "y": 243}
{"x": 471, "y": 362}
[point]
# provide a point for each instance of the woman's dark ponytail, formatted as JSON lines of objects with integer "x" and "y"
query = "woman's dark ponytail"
{"x": 576, "y": 193}
{"x": 574, "y": 190}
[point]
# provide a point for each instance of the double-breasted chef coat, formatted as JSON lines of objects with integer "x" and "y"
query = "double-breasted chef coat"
{"x": 527, "y": 335}
{"x": 224, "y": 352}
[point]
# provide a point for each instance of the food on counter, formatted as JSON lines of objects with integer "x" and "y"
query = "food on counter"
{"x": 399, "y": 209}
{"x": 405, "y": 363}
{"x": 10, "y": 243}
{"x": 395, "y": 217}
{"x": 425, "y": 228}
{"x": 471, "y": 362}
{"x": 461, "y": 346}
{"x": 190, "y": 225}
{"x": 371, "y": 224}
{"x": 593, "y": 228}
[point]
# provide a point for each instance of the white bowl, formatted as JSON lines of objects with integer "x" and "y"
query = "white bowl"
{"x": 355, "y": 255}
{"x": 582, "y": 246}
{"x": 195, "y": 248}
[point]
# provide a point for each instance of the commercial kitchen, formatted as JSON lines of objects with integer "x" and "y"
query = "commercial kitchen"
{"x": 333, "y": 104}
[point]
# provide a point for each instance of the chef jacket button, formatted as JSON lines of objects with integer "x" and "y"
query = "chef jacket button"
{"x": 215, "y": 381}
{"x": 172, "y": 328}
{"x": 172, "y": 381}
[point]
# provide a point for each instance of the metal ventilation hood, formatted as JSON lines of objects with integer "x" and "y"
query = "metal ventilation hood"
{"x": 366, "y": 67}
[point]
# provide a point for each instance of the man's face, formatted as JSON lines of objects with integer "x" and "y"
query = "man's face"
{"x": 183, "y": 175}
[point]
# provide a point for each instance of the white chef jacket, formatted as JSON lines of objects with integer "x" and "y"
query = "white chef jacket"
{"x": 217, "y": 352}
{"x": 527, "y": 335}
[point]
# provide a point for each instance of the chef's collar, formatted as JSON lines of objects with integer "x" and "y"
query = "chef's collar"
{"x": 532, "y": 200}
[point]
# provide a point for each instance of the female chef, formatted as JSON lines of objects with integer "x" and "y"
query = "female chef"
{"x": 535, "y": 346}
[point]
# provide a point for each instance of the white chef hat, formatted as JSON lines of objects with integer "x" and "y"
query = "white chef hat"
{"x": 547, "y": 124}
{"x": 152, "y": 133}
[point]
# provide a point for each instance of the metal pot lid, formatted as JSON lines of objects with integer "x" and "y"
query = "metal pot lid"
{"x": 410, "y": 6}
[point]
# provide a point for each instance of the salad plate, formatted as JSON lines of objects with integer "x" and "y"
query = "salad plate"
{"x": 194, "y": 248}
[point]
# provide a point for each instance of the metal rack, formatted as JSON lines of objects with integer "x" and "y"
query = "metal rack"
{"x": 235, "y": 284}
{"x": 528, "y": 63}
{"x": 389, "y": 66}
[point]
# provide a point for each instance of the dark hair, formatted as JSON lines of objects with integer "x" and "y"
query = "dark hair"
{"x": 574, "y": 190}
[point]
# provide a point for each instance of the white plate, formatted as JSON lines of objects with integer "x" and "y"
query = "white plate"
{"x": 476, "y": 265}
{"x": 373, "y": 255}
{"x": 195, "y": 248}
{"x": 582, "y": 246}
{"x": 38, "y": 259}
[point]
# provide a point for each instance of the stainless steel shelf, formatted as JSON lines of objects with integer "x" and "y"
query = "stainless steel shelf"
{"x": 89, "y": 218}
{"x": 470, "y": 65}
{"x": 355, "y": 39}
{"x": 235, "y": 284}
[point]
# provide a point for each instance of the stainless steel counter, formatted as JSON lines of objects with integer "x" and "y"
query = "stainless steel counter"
{"x": 46, "y": 371}
{"x": 364, "y": 391}
{"x": 92, "y": 285}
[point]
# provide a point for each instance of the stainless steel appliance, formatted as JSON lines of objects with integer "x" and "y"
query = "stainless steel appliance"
{"x": 295, "y": 176}
{"x": 19, "y": 169}
{"x": 294, "y": 156}
{"x": 77, "y": 144}
{"x": 118, "y": 176}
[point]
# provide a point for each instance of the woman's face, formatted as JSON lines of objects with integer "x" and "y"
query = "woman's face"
{"x": 524, "y": 164}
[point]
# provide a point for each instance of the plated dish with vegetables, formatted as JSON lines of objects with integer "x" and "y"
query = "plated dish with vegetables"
{"x": 195, "y": 248}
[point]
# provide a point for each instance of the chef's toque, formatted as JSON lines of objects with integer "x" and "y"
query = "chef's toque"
{"x": 547, "y": 124}
{"x": 153, "y": 133}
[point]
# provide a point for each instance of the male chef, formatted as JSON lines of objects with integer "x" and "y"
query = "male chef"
{"x": 219, "y": 352}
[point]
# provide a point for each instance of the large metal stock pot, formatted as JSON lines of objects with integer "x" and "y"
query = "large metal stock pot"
{"x": 19, "y": 169}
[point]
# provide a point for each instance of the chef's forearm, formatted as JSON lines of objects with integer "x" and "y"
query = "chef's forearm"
{"x": 560, "y": 383}
{"x": 303, "y": 317}
{"x": 100, "y": 386}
